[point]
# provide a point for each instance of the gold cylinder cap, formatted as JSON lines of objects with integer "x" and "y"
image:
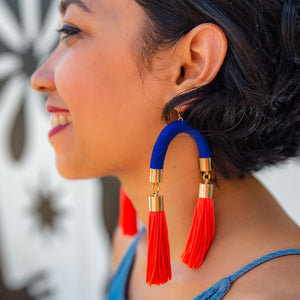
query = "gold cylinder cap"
{"x": 156, "y": 203}
{"x": 206, "y": 190}
{"x": 205, "y": 164}
{"x": 156, "y": 175}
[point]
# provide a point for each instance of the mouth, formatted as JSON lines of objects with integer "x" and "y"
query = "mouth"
{"x": 59, "y": 120}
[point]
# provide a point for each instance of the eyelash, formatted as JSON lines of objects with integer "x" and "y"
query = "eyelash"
{"x": 66, "y": 31}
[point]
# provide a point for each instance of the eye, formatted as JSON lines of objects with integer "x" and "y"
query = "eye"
{"x": 66, "y": 31}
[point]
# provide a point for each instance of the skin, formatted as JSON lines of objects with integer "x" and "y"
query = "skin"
{"x": 116, "y": 112}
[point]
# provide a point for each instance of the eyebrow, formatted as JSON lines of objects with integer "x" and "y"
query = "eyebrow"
{"x": 64, "y": 4}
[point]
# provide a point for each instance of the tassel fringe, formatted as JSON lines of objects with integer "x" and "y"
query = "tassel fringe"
{"x": 158, "y": 261}
{"x": 127, "y": 217}
{"x": 201, "y": 233}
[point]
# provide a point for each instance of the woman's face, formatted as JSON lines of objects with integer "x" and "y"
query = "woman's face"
{"x": 111, "y": 114}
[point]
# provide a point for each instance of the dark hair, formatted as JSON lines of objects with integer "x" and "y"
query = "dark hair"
{"x": 250, "y": 112}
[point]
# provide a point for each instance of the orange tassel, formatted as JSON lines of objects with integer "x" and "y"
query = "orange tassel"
{"x": 127, "y": 216}
{"x": 158, "y": 261}
{"x": 201, "y": 233}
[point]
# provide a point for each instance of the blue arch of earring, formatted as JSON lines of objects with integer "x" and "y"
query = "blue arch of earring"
{"x": 168, "y": 134}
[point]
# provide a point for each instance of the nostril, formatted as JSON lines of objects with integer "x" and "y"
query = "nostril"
{"x": 42, "y": 81}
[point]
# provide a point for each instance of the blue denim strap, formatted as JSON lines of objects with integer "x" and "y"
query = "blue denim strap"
{"x": 119, "y": 282}
{"x": 262, "y": 260}
{"x": 221, "y": 288}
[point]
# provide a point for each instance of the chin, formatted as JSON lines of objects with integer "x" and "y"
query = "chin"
{"x": 72, "y": 171}
{"x": 69, "y": 170}
{"x": 67, "y": 173}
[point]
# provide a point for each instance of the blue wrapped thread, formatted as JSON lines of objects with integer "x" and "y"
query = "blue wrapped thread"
{"x": 167, "y": 135}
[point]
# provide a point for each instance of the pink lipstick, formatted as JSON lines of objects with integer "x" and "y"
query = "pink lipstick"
{"x": 60, "y": 119}
{"x": 54, "y": 109}
{"x": 57, "y": 129}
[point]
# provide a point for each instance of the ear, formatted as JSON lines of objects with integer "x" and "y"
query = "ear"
{"x": 201, "y": 53}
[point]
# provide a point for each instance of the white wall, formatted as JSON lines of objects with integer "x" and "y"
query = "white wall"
{"x": 52, "y": 237}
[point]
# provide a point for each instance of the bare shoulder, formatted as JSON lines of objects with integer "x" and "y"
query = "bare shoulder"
{"x": 120, "y": 244}
{"x": 274, "y": 280}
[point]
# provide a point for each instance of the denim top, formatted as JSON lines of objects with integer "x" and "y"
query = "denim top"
{"x": 119, "y": 282}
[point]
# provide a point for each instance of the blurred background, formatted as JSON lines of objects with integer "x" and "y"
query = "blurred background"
{"x": 55, "y": 234}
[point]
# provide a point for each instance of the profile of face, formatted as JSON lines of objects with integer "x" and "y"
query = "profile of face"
{"x": 105, "y": 101}
{"x": 102, "y": 109}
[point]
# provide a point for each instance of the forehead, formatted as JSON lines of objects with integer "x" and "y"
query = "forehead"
{"x": 105, "y": 7}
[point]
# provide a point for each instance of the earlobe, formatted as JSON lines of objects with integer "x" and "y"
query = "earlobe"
{"x": 203, "y": 51}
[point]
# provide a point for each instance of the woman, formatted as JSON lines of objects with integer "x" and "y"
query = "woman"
{"x": 230, "y": 69}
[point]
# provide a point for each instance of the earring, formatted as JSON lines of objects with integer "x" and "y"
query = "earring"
{"x": 127, "y": 215}
{"x": 203, "y": 224}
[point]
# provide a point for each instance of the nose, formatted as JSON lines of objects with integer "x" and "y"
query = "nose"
{"x": 42, "y": 80}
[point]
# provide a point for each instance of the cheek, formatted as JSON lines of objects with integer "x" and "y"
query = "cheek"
{"x": 110, "y": 111}
{"x": 74, "y": 80}
{"x": 100, "y": 91}
{"x": 78, "y": 85}
{"x": 108, "y": 76}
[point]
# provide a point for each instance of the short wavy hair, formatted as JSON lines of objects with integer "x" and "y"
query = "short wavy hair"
{"x": 250, "y": 112}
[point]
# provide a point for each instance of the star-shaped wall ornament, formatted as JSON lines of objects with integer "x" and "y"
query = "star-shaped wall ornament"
{"x": 46, "y": 212}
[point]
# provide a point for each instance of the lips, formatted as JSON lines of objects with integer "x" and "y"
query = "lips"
{"x": 54, "y": 109}
{"x": 60, "y": 119}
